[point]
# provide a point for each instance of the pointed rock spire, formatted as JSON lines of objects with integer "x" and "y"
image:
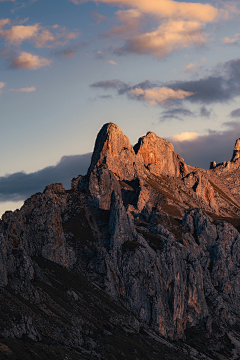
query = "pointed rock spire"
{"x": 236, "y": 150}
{"x": 114, "y": 149}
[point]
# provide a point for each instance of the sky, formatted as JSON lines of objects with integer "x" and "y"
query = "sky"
{"x": 69, "y": 66}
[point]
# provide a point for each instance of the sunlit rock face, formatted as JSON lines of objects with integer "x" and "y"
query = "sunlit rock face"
{"x": 155, "y": 235}
{"x": 158, "y": 155}
{"x": 236, "y": 150}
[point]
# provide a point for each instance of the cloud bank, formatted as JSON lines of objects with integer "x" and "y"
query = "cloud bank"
{"x": 19, "y": 186}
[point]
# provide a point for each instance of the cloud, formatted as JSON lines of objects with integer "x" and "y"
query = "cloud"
{"x": 39, "y": 35}
{"x": 4, "y": 22}
{"x": 184, "y": 136}
{"x": 145, "y": 91}
{"x": 235, "y": 113}
{"x": 205, "y": 112}
{"x": 110, "y": 84}
{"x": 189, "y": 66}
{"x": 175, "y": 114}
{"x": 98, "y": 18}
{"x": 28, "y": 61}
{"x": 231, "y": 41}
{"x": 215, "y": 146}
{"x": 171, "y": 9}
{"x": 69, "y": 51}
{"x": 17, "y": 34}
{"x": 112, "y": 62}
{"x": 170, "y": 36}
{"x": 19, "y": 186}
{"x": 158, "y": 95}
{"x": 2, "y": 84}
{"x": 105, "y": 97}
{"x": 221, "y": 86}
{"x": 130, "y": 21}
{"x": 26, "y": 90}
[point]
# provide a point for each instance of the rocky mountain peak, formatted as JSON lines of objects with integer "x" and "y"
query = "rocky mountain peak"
{"x": 158, "y": 155}
{"x": 236, "y": 150}
{"x": 114, "y": 149}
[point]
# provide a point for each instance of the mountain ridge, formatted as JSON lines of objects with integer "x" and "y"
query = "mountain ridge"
{"x": 155, "y": 238}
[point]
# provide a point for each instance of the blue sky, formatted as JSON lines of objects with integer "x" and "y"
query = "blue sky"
{"x": 68, "y": 67}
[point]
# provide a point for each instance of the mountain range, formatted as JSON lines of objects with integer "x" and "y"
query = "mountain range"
{"x": 140, "y": 259}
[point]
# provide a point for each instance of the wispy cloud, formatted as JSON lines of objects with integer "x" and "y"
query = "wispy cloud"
{"x": 235, "y": 113}
{"x": 231, "y": 41}
{"x": 189, "y": 66}
{"x": 98, "y": 18}
{"x": 69, "y": 51}
{"x": 176, "y": 113}
{"x": 26, "y": 90}
{"x": 27, "y": 60}
{"x": 112, "y": 62}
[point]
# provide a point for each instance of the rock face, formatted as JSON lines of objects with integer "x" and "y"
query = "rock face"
{"x": 143, "y": 248}
{"x": 159, "y": 156}
{"x": 236, "y": 150}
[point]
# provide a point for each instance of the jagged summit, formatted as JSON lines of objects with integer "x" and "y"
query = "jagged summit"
{"x": 151, "y": 152}
{"x": 142, "y": 249}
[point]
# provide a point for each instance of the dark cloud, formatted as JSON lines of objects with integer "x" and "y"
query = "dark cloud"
{"x": 105, "y": 97}
{"x": 19, "y": 186}
{"x": 111, "y": 84}
{"x": 175, "y": 114}
{"x": 235, "y": 113}
{"x": 69, "y": 51}
{"x": 206, "y": 113}
{"x": 223, "y": 85}
{"x": 215, "y": 146}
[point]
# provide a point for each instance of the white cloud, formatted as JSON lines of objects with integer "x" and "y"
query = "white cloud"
{"x": 112, "y": 62}
{"x": 184, "y": 136}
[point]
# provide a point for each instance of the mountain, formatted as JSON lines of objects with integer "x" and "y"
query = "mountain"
{"x": 140, "y": 259}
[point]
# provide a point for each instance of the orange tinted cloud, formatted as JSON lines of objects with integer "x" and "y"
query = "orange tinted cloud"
{"x": 26, "y": 90}
{"x": 158, "y": 95}
{"x": 170, "y": 36}
{"x": 189, "y": 66}
{"x": 17, "y": 34}
{"x": 171, "y": 9}
{"x": 41, "y": 36}
{"x": 28, "y": 61}
{"x": 184, "y": 136}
